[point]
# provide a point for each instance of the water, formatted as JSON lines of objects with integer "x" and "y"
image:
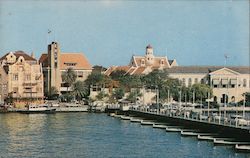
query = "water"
{"x": 96, "y": 135}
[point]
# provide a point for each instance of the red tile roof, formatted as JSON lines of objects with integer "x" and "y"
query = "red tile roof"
{"x": 78, "y": 59}
{"x": 18, "y": 54}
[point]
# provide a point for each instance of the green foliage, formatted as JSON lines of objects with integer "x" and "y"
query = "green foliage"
{"x": 201, "y": 91}
{"x": 52, "y": 94}
{"x": 171, "y": 85}
{"x": 117, "y": 75}
{"x": 69, "y": 77}
{"x": 97, "y": 79}
{"x": 118, "y": 93}
{"x": 101, "y": 95}
{"x": 155, "y": 78}
{"x": 80, "y": 90}
{"x": 132, "y": 97}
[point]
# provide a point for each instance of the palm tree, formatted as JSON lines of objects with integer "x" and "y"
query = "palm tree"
{"x": 69, "y": 77}
{"x": 80, "y": 89}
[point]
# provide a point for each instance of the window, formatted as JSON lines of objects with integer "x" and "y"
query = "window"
{"x": 15, "y": 77}
{"x": 80, "y": 74}
{"x": 28, "y": 77}
{"x": 189, "y": 81}
{"x": 142, "y": 62}
{"x": 244, "y": 83}
{"x": 224, "y": 86}
{"x": 196, "y": 80}
{"x": 215, "y": 86}
{"x": 184, "y": 81}
{"x": 15, "y": 89}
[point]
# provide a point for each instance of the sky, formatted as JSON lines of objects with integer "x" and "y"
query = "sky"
{"x": 194, "y": 32}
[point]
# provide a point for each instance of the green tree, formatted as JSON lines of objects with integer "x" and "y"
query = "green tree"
{"x": 133, "y": 95}
{"x": 101, "y": 95}
{"x": 97, "y": 79}
{"x": 201, "y": 91}
{"x": 117, "y": 75}
{"x": 69, "y": 77}
{"x": 80, "y": 90}
{"x": 155, "y": 78}
{"x": 118, "y": 93}
{"x": 172, "y": 86}
{"x": 52, "y": 94}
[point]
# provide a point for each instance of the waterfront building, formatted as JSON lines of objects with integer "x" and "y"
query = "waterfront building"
{"x": 55, "y": 63}
{"x": 228, "y": 83}
{"x": 144, "y": 64}
{"x": 21, "y": 78}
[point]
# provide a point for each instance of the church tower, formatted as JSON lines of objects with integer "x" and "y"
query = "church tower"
{"x": 54, "y": 73}
{"x": 149, "y": 55}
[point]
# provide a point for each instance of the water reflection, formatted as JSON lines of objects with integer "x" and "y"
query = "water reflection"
{"x": 95, "y": 135}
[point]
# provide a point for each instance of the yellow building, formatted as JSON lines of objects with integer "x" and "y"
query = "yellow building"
{"x": 228, "y": 83}
{"x": 23, "y": 76}
{"x": 54, "y": 63}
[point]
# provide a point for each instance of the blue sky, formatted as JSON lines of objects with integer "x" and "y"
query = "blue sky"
{"x": 109, "y": 32}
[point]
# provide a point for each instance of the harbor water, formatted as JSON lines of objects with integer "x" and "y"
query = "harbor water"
{"x": 96, "y": 135}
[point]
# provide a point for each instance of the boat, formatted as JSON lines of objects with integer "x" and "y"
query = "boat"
{"x": 71, "y": 107}
{"x": 242, "y": 148}
{"x": 147, "y": 122}
{"x": 111, "y": 114}
{"x": 117, "y": 116}
{"x": 132, "y": 119}
{"x": 123, "y": 117}
{"x": 173, "y": 129}
{"x": 40, "y": 108}
{"x": 159, "y": 126}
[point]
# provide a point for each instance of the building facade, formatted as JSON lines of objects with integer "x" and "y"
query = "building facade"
{"x": 228, "y": 83}
{"x": 55, "y": 63}
{"x": 21, "y": 78}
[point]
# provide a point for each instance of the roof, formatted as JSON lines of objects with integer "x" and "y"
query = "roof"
{"x": 139, "y": 71}
{"x": 149, "y": 46}
{"x": 44, "y": 60}
{"x": 78, "y": 59}
{"x": 117, "y": 68}
{"x": 18, "y": 54}
{"x": 207, "y": 69}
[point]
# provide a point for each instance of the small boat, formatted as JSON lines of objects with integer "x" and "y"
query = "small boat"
{"x": 117, "y": 116}
{"x": 189, "y": 133}
{"x": 132, "y": 119}
{"x": 173, "y": 129}
{"x": 242, "y": 148}
{"x": 123, "y": 117}
{"x": 41, "y": 108}
{"x": 159, "y": 126}
{"x": 112, "y": 114}
{"x": 205, "y": 137}
{"x": 147, "y": 122}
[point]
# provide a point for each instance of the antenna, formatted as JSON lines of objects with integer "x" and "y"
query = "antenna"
{"x": 226, "y": 56}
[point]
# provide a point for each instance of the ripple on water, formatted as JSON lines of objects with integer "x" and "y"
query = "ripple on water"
{"x": 95, "y": 135}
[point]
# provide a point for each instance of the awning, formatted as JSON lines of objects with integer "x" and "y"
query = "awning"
{"x": 216, "y": 81}
{"x": 233, "y": 81}
{"x": 224, "y": 81}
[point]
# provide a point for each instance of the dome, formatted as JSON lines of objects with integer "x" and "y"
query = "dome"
{"x": 149, "y": 46}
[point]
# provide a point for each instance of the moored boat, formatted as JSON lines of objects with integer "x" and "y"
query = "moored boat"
{"x": 123, "y": 117}
{"x": 132, "y": 119}
{"x": 40, "y": 108}
{"x": 205, "y": 137}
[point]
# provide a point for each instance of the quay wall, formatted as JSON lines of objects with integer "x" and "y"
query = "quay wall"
{"x": 222, "y": 131}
